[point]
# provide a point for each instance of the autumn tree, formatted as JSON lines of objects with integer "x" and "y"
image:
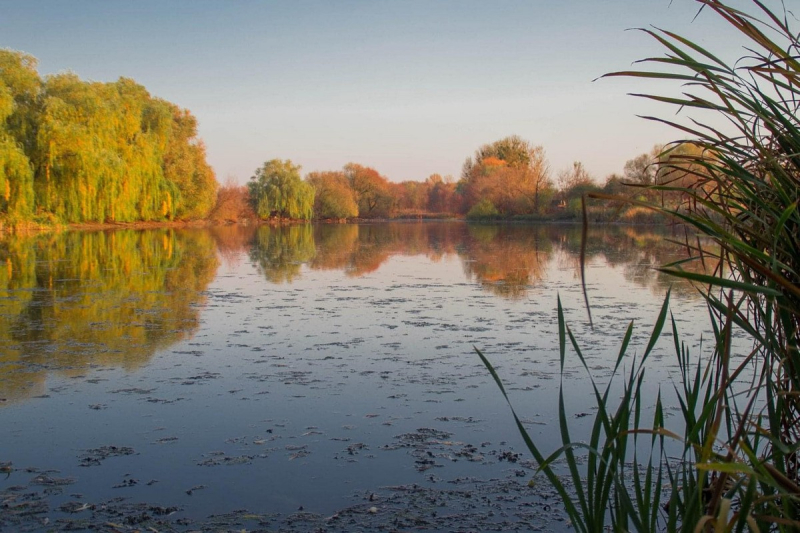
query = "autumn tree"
{"x": 511, "y": 173}
{"x": 573, "y": 184}
{"x": 641, "y": 170}
{"x": 678, "y": 166}
{"x": 233, "y": 203}
{"x": 277, "y": 190}
{"x": 333, "y": 197}
{"x": 18, "y": 74}
{"x": 95, "y": 152}
{"x": 441, "y": 194}
{"x": 19, "y": 88}
{"x": 411, "y": 196}
{"x": 614, "y": 184}
{"x": 372, "y": 191}
{"x": 16, "y": 173}
{"x": 101, "y": 152}
{"x": 185, "y": 165}
{"x": 679, "y": 171}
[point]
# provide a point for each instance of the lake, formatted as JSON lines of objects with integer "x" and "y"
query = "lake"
{"x": 308, "y": 377}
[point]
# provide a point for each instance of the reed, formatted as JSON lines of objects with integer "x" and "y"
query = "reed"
{"x": 737, "y": 186}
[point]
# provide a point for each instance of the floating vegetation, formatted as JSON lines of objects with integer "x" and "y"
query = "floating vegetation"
{"x": 319, "y": 379}
{"x": 95, "y": 456}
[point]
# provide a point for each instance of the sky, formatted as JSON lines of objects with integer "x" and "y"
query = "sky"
{"x": 410, "y": 88}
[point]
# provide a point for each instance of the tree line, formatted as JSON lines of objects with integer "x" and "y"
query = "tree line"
{"x": 509, "y": 178}
{"x": 75, "y": 151}
{"x": 81, "y": 151}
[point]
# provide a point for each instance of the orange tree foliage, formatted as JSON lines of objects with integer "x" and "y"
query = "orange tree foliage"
{"x": 434, "y": 195}
{"x": 233, "y": 203}
{"x": 441, "y": 194}
{"x": 510, "y": 174}
{"x": 373, "y": 192}
{"x": 333, "y": 197}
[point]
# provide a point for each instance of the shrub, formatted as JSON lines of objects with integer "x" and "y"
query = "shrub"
{"x": 483, "y": 210}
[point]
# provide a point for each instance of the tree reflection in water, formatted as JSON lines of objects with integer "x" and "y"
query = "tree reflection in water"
{"x": 506, "y": 260}
{"x": 279, "y": 252}
{"x": 114, "y": 298}
{"x": 78, "y": 299}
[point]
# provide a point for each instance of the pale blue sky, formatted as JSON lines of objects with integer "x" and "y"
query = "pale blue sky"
{"x": 411, "y": 88}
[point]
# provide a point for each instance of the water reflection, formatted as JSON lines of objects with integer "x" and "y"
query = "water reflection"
{"x": 279, "y": 252}
{"x": 319, "y": 353}
{"x": 114, "y": 298}
{"x": 506, "y": 260}
{"x": 80, "y": 299}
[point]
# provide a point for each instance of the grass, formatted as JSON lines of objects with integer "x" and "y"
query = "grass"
{"x": 739, "y": 429}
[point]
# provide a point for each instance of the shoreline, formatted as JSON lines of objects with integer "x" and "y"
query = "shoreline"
{"x": 183, "y": 224}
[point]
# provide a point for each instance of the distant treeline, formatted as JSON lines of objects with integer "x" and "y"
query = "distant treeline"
{"x": 81, "y": 151}
{"x": 74, "y": 151}
{"x": 507, "y": 179}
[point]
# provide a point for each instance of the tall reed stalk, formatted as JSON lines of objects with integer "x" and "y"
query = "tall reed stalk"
{"x": 735, "y": 182}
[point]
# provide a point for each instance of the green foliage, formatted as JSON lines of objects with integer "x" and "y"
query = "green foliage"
{"x": 19, "y": 85}
{"x": 632, "y": 474}
{"x": 18, "y": 74}
{"x": 16, "y": 174}
{"x": 514, "y": 150}
{"x": 742, "y": 190}
{"x": 185, "y": 165}
{"x": 277, "y": 190}
{"x": 99, "y": 162}
{"x": 95, "y": 152}
{"x": 280, "y": 252}
{"x": 333, "y": 197}
{"x": 641, "y": 170}
{"x": 483, "y": 209}
{"x": 613, "y": 488}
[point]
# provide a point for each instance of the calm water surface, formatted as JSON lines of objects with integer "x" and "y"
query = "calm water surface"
{"x": 305, "y": 368}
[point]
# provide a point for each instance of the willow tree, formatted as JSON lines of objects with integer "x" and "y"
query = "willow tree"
{"x": 19, "y": 87}
{"x": 277, "y": 190}
{"x": 16, "y": 174}
{"x": 18, "y": 73}
{"x": 140, "y": 141}
{"x": 75, "y": 165}
{"x": 102, "y": 152}
{"x": 95, "y": 152}
{"x": 185, "y": 166}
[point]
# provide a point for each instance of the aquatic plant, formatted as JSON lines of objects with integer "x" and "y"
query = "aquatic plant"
{"x": 739, "y": 186}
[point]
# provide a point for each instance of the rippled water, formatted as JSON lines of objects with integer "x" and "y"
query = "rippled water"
{"x": 308, "y": 368}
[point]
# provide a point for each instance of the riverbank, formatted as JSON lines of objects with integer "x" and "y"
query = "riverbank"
{"x": 38, "y": 227}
